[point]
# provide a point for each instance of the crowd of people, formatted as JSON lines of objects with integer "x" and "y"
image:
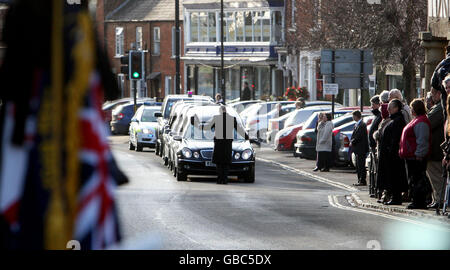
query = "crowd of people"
{"x": 407, "y": 145}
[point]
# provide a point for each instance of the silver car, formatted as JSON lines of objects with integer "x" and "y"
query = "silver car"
{"x": 143, "y": 128}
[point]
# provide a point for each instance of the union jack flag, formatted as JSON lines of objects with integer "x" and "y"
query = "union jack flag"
{"x": 57, "y": 173}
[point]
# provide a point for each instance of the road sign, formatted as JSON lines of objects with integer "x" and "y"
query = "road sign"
{"x": 346, "y": 61}
{"x": 330, "y": 88}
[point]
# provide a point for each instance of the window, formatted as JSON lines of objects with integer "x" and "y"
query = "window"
{"x": 119, "y": 41}
{"x": 257, "y": 26}
{"x": 248, "y": 25}
{"x": 156, "y": 40}
{"x": 293, "y": 9}
{"x": 230, "y": 27}
{"x": 265, "y": 20}
{"x": 277, "y": 26}
{"x": 239, "y": 26}
{"x": 212, "y": 26}
{"x": 139, "y": 38}
{"x": 194, "y": 27}
{"x": 203, "y": 25}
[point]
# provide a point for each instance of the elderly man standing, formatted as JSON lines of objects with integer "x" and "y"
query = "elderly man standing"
{"x": 434, "y": 166}
{"x": 360, "y": 146}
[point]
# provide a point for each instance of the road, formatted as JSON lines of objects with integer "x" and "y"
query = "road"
{"x": 281, "y": 210}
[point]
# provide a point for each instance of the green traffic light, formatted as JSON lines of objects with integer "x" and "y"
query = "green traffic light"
{"x": 135, "y": 75}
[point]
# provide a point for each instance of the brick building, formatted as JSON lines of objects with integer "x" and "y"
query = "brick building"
{"x": 147, "y": 25}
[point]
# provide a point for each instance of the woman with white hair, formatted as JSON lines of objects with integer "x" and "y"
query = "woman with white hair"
{"x": 406, "y": 111}
{"x": 384, "y": 96}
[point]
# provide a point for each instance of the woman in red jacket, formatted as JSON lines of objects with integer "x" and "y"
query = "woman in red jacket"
{"x": 415, "y": 147}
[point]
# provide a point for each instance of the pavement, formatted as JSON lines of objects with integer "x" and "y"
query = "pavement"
{"x": 343, "y": 177}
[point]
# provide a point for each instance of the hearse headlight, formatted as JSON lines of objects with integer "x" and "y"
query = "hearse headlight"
{"x": 247, "y": 154}
{"x": 196, "y": 155}
{"x": 237, "y": 155}
{"x": 187, "y": 153}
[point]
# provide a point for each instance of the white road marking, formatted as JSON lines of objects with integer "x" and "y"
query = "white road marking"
{"x": 312, "y": 176}
{"x": 332, "y": 199}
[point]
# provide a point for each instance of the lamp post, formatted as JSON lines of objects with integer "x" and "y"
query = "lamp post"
{"x": 222, "y": 70}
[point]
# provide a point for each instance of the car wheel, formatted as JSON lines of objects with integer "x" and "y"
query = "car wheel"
{"x": 250, "y": 176}
{"x": 181, "y": 177}
{"x": 130, "y": 145}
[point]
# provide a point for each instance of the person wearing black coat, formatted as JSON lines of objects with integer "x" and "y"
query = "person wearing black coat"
{"x": 360, "y": 146}
{"x": 246, "y": 93}
{"x": 396, "y": 180}
{"x": 224, "y": 126}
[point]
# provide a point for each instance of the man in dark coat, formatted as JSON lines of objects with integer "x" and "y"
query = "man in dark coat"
{"x": 246, "y": 93}
{"x": 360, "y": 146}
{"x": 375, "y": 104}
{"x": 396, "y": 181}
{"x": 224, "y": 126}
{"x": 434, "y": 164}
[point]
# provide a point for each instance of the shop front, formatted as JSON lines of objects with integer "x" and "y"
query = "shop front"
{"x": 251, "y": 34}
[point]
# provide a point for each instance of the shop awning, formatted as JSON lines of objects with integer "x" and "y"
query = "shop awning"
{"x": 153, "y": 75}
{"x": 246, "y": 60}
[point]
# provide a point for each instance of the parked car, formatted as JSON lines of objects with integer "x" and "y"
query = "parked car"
{"x": 257, "y": 125}
{"x": 179, "y": 110}
{"x": 275, "y": 125}
{"x": 166, "y": 107}
{"x": 260, "y": 108}
{"x": 121, "y": 117}
{"x": 306, "y": 138}
{"x": 240, "y": 106}
{"x": 285, "y": 139}
{"x": 143, "y": 128}
{"x": 195, "y": 148}
{"x": 109, "y": 106}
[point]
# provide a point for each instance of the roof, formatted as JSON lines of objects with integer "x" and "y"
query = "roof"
{"x": 145, "y": 10}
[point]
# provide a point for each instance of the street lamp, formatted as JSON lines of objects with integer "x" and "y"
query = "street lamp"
{"x": 222, "y": 70}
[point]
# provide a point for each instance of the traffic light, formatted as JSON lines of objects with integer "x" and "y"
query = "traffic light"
{"x": 124, "y": 67}
{"x": 136, "y": 65}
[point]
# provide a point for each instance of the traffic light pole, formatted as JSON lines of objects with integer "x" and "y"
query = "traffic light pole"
{"x": 134, "y": 85}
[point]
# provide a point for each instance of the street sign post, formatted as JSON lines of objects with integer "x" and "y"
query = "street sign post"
{"x": 330, "y": 88}
{"x": 349, "y": 68}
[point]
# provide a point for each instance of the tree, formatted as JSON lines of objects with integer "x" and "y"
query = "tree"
{"x": 391, "y": 29}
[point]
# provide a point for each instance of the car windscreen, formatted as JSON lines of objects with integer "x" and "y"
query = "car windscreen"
{"x": 148, "y": 116}
{"x": 199, "y": 133}
{"x": 170, "y": 103}
{"x": 342, "y": 120}
{"x": 299, "y": 117}
{"x": 311, "y": 122}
